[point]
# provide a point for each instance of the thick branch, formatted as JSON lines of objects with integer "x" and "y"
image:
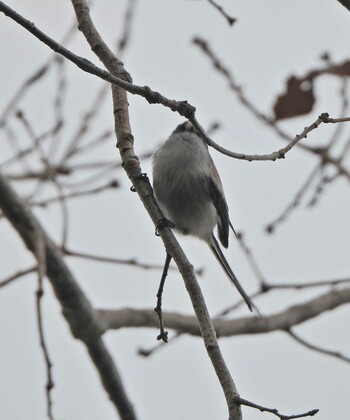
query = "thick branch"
{"x": 345, "y": 3}
{"x": 77, "y": 310}
{"x": 282, "y": 321}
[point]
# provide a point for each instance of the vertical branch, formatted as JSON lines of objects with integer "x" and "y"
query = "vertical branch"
{"x": 58, "y": 104}
{"x": 41, "y": 270}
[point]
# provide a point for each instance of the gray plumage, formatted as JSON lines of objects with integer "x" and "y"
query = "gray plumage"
{"x": 189, "y": 192}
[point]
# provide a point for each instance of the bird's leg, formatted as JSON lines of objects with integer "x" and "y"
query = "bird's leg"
{"x": 163, "y": 334}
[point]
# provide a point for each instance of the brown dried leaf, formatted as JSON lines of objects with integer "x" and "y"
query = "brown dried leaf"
{"x": 298, "y": 99}
{"x": 340, "y": 69}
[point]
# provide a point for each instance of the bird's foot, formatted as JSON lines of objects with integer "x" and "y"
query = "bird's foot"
{"x": 163, "y": 223}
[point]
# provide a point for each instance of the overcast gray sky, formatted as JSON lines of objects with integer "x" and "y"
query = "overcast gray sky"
{"x": 271, "y": 40}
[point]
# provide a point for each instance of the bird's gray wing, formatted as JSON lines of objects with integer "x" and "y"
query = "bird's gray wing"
{"x": 219, "y": 201}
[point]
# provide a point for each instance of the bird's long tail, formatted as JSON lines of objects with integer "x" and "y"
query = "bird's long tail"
{"x": 215, "y": 247}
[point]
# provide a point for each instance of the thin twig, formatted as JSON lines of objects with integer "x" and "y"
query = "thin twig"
{"x": 91, "y": 179}
{"x": 237, "y": 89}
{"x": 17, "y": 275}
{"x": 42, "y": 137}
{"x": 250, "y": 257}
{"x": 279, "y": 154}
{"x": 318, "y": 349}
{"x": 43, "y": 203}
{"x": 317, "y": 169}
{"x": 182, "y": 107}
{"x": 58, "y": 105}
{"x": 131, "y": 261}
{"x": 306, "y": 285}
{"x": 97, "y": 141}
{"x": 36, "y": 143}
{"x": 163, "y": 334}
{"x": 126, "y": 33}
{"x": 16, "y": 148}
{"x": 276, "y": 412}
{"x": 42, "y": 174}
{"x": 320, "y": 187}
{"x": 230, "y": 20}
{"x": 337, "y": 120}
{"x": 33, "y": 78}
{"x": 85, "y": 123}
{"x": 41, "y": 269}
{"x": 270, "y": 228}
{"x": 37, "y": 75}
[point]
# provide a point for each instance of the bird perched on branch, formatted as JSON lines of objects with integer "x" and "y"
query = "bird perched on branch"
{"x": 189, "y": 192}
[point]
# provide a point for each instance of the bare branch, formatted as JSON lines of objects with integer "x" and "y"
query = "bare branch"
{"x": 274, "y": 411}
{"x": 125, "y": 38}
{"x": 230, "y": 20}
{"x": 58, "y": 105}
{"x": 77, "y": 309}
{"x": 40, "y": 174}
{"x": 17, "y": 275}
{"x": 337, "y": 120}
{"x": 265, "y": 288}
{"x": 279, "y": 154}
{"x": 22, "y": 153}
{"x": 143, "y": 188}
{"x": 37, "y": 75}
{"x": 43, "y": 203}
{"x": 40, "y": 255}
{"x": 282, "y": 321}
{"x": 318, "y": 349}
{"x": 182, "y": 107}
{"x": 15, "y": 146}
{"x": 130, "y": 261}
{"x": 345, "y": 3}
{"x": 237, "y": 89}
{"x": 306, "y": 285}
{"x": 250, "y": 257}
{"x": 36, "y": 143}
{"x": 22, "y": 90}
{"x": 85, "y": 122}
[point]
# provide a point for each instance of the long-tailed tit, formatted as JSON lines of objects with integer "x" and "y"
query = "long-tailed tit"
{"x": 189, "y": 192}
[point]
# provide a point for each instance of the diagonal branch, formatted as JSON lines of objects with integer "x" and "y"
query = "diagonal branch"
{"x": 182, "y": 107}
{"x": 17, "y": 275}
{"x": 318, "y": 349}
{"x": 230, "y": 20}
{"x": 76, "y": 308}
{"x": 123, "y": 81}
{"x": 142, "y": 187}
{"x": 345, "y": 3}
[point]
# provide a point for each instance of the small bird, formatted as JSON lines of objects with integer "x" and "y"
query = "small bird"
{"x": 189, "y": 192}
